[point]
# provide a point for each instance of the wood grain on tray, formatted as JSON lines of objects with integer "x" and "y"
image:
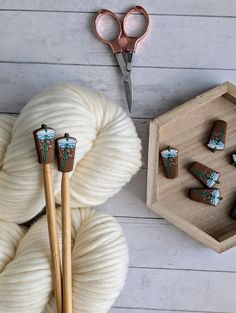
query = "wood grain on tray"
{"x": 187, "y": 128}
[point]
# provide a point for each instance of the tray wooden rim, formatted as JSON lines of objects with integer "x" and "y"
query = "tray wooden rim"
{"x": 227, "y": 90}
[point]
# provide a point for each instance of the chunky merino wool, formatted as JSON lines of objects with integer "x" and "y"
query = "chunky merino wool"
{"x": 108, "y": 150}
{"x": 99, "y": 264}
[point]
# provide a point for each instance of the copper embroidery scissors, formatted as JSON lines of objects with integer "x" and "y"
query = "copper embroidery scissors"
{"x": 123, "y": 46}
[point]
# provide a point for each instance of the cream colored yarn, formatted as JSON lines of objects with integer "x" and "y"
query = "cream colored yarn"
{"x": 108, "y": 152}
{"x": 99, "y": 264}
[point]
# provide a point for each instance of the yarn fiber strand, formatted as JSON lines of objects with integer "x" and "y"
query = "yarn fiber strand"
{"x": 99, "y": 264}
{"x": 107, "y": 155}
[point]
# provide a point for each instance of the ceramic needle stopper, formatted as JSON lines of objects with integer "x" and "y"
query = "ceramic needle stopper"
{"x": 170, "y": 162}
{"x": 205, "y": 174}
{"x": 234, "y": 159}
{"x": 65, "y": 148}
{"x": 218, "y": 135}
{"x": 233, "y": 212}
{"x": 44, "y": 138}
{"x": 207, "y": 196}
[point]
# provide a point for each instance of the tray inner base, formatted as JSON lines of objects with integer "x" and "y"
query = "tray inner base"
{"x": 189, "y": 134}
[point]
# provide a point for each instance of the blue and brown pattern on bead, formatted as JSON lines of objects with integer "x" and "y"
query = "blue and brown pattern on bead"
{"x": 204, "y": 174}
{"x": 207, "y": 196}
{"x": 234, "y": 159}
{"x": 45, "y": 143}
{"x": 66, "y": 153}
{"x": 170, "y": 162}
{"x": 218, "y": 136}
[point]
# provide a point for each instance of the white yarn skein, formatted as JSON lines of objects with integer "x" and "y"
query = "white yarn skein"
{"x": 108, "y": 150}
{"x": 99, "y": 264}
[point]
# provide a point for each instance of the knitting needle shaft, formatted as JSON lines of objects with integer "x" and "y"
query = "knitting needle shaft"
{"x": 53, "y": 236}
{"x": 65, "y": 147}
{"x": 66, "y": 244}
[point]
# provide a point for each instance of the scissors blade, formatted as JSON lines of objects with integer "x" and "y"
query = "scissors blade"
{"x": 129, "y": 60}
{"x": 122, "y": 63}
{"x": 128, "y": 93}
{"x": 126, "y": 77}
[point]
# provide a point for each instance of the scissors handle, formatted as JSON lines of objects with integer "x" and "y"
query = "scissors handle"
{"x": 114, "y": 43}
{"x": 132, "y": 42}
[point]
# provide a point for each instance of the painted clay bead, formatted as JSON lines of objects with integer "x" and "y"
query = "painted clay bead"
{"x": 207, "y": 196}
{"x": 205, "y": 174}
{"x": 218, "y": 136}
{"x": 170, "y": 162}
{"x": 234, "y": 159}
{"x": 65, "y": 148}
{"x": 233, "y": 212}
{"x": 44, "y": 138}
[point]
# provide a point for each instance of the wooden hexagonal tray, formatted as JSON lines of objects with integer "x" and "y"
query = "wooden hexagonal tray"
{"x": 187, "y": 128}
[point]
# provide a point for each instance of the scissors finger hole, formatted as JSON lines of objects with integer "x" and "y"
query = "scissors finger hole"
{"x": 135, "y": 25}
{"x": 107, "y": 27}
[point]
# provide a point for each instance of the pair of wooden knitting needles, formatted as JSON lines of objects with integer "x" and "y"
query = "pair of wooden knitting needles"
{"x": 65, "y": 151}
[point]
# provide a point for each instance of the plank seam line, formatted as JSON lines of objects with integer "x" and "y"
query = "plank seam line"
{"x": 140, "y": 217}
{"x": 136, "y": 222}
{"x": 17, "y": 113}
{"x": 116, "y": 66}
{"x": 93, "y": 12}
{"x": 165, "y": 310}
{"x": 147, "y": 119}
{"x": 151, "y": 222}
{"x": 180, "y": 269}
{"x": 132, "y": 117}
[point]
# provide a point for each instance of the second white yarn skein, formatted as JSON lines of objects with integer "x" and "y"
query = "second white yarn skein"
{"x": 108, "y": 150}
{"x": 99, "y": 264}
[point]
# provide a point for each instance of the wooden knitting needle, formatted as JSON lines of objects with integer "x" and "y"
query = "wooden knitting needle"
{"x": 45, "y": 143}
{"x": 65, "y": 147}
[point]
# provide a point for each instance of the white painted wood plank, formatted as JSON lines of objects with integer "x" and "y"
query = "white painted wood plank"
{"x": 185, "y": 7}
{"x": 155, "y": 90}
{"x": 156, "y": 244}
{"x": 142, "y": 127}
{"x": 130, "y": 201}
{"x": 173, "y": 41}
{"x": 46, "y": 37}
{"x": 137, "y": 310}
{"x": 179, "y": 290}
